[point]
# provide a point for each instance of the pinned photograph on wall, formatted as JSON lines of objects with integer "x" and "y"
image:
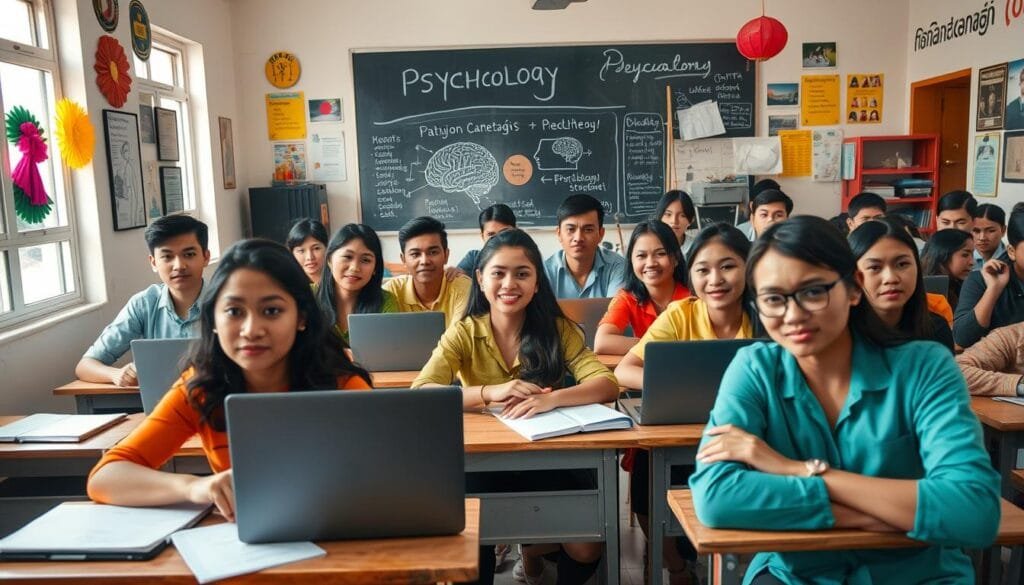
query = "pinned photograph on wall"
{"x": 991, "y": 93}
{"x": 864, "y": 98}
{"x": 1013, "y": 161}
{"x": 776, "y": 123}
{"x": 783, "y": 94}
{"x": 819, "y": 55}
{"x": 985, "y": 182}
{"x": 290, "y": 161}
{"x": 326, "y": 110}
{"x": 1014, "y": 96}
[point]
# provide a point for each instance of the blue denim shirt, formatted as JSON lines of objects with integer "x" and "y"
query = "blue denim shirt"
{"x": 605, "y": 278}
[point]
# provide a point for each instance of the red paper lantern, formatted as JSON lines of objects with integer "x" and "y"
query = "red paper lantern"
{"x": 761, "y": 38}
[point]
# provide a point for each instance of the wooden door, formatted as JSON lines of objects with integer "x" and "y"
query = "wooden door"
{"x": 953, "y": 145}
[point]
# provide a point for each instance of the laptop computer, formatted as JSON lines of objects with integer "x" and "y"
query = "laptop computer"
{"x": 373, "y": 338}
{"x": 671, "y": 398}
{"x": 158, "y": 364}
{"x": 586, "y": 312}
{"x": 937, "y": 284}
{"x": 331, "y": 465}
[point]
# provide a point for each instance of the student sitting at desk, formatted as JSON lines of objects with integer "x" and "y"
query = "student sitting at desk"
{"x": 656, "y": 277}
{"x": 995, "y": 365}
{"x": 427, "y": 287}
{"x": 993, "y": 296}
{"x": 514, "y": 346}
{"x": 988, "y": 231}
{"x": 949, "y": 252}
{"x": 177, "y": 254}
{"x": 582, "y": 269}
{"x": 893, "y": 281}
{"x": 261, "y": 332}
{"x": 353, "y": 273}
{"x": 770, "y": 206}
{"x": 956, "y": 210}
{"x": 307, "y": 241}
{"x": 839, "y": 425}
{"x": 747, "y": 227}
{"x": 864, "y": 207}
{"x": 676, "y": 209}
{"x": 494, "y": 219}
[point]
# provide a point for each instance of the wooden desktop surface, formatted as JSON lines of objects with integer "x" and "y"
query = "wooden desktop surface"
{"x": 393, "y": 560}
{"x": 1018, "y": 479}
{"x": 712, "y": 540}
{"x": 1001, "y": 416}
{"x": 92, "y": 447}
{"x": 80, "y": 388}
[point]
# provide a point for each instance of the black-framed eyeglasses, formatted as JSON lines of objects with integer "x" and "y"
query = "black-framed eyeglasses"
{"x": 811, "y": 298}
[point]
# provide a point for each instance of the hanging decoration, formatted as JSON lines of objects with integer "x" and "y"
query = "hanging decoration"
{"x": 761, "y": 38}
{"x": 112, "y": 71}
{"x": 31, "y": 202}
{"x": 75, "y": 136}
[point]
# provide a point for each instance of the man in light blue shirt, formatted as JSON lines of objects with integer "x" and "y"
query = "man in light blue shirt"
{"x": 581, "y": 269}
{"x": 178, "y": 253}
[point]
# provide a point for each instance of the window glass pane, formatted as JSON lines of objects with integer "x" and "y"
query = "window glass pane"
{"x": 43, "y": 272}
{"x": 33, "y": 89}
{"x": 5, "y": 285}
{"x": 16, "y": 24}
{"x": 141, "y": 71}
{"x": 161, "y": 66}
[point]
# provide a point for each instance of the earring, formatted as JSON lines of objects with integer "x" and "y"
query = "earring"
{"x": 302, "y": 327}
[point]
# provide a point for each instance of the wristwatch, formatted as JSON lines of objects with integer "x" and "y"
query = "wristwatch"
{"x": 816, "y": 467}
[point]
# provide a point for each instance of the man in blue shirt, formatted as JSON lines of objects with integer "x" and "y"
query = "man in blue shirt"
{"x": 581, "y": 269}
{"x": 178, "y": 253}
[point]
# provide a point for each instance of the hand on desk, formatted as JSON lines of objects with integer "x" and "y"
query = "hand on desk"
{"x": 125, "y": 376}
{"x": 731, "y": 443}
{"x": 216, "y": 489}
{"x": 512, "y": 391}
{"x": 527, "y": 407}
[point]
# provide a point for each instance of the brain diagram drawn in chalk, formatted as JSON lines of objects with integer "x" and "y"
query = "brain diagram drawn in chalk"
{"x": 464, "y": 167}
{"x": 559, "y": 154}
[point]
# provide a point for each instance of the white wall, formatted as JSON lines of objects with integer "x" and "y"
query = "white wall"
{"x": 42, "y": 356}
{"x": 870, "y": 36}
{"x": 1002, "y": 42}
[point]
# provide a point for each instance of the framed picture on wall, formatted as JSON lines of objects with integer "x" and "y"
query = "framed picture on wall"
{"x": 991, "y": 91}
{"x": 124, "y": 169}
{"x": 171, "y": 191}
{"x": 1013, "y": 157}
{"x": 227, "y": 152}
{"x": 166, "y": 134}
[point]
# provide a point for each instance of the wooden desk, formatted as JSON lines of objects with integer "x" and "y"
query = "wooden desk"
{"x": 92, "y": 397}
{"x": 397, "y": 560}
{"x": 60, "y": 459}
{"x": 1018, "y": 480}
{"x": 403, "y": 379}
{"x": 1004, "y": 435}
{"x": 716, "y": 541}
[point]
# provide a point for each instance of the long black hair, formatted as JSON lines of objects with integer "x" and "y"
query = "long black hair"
{"x": 540, "y": 348}
{"x": 938, "y": 251}
{"x": 371, "y": 297}
{"x": 315, "y": 360}
{"x": 305, "y": 228}
{"x": 685, "y": 202}
{"x": 813, "y": 240}
{"x": 915, "y": 320}
{"x": 667, "y": 238}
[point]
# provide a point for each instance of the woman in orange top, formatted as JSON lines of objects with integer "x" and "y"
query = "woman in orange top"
{"x": 261, "y": 331}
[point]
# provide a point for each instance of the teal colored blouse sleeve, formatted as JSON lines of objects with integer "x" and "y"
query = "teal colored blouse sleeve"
{"x": 730, "y": 494}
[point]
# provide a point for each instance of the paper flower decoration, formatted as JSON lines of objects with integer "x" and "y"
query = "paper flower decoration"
{"x": 112, "y": 71}
{"x": 31, "y": 202}
{"x": 75, "y": 137}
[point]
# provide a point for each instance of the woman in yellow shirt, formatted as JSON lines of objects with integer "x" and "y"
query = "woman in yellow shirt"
{"x": 716, "y": 310}
{"x": 514, "y": 346}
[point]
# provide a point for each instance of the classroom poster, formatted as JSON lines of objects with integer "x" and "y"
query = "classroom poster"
{"x": 1014, "y": 119}
{"x": 827, "y": 146}
{"x": 290, "y": 161}
{"x": 286, "y": 116}
{"x": 796, "y": 153}
{"x": 991, "y": 91}
{"x": 985, "y": 182}
{"x": 327, "y": 154}
{"x": 864, "y": 98}
{"x": 819, "y": 101}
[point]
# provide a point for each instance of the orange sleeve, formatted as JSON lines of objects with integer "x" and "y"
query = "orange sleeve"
{"x": 353, "y": 382}
{"x": 161, "y": 434}
{"x": 939, "y": 305}
{"x": 618, "y": 311}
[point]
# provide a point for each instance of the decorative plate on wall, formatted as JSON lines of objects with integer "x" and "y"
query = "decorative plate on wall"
{"x": 283, "y": 69}
{"x": 142, "y": 36}
{"x": 112, "y": 71}
{"x": 106, "y": 12}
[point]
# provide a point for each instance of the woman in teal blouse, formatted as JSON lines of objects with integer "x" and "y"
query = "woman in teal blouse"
{"x": 837, "y": 425}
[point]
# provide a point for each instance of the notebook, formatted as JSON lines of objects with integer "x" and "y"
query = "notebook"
{"x": 58, "y": 428}
{"x": 84, "y": 531}
{"x": 566, "y": 421}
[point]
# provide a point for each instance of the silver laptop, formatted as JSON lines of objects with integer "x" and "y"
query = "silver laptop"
{"x": 587, "y": 312}
{"x": 333, "y": 465}
{"x": 394, "y": 342}
{"x": 937, "y": 284}
{"x": 158, "y": 364}
{"x": 681, "y": 380}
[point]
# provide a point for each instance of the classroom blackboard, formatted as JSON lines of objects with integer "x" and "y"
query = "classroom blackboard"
{"x": 448, "y": 132}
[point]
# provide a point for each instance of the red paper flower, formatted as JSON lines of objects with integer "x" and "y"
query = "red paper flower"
{"x": 112, "y": 71}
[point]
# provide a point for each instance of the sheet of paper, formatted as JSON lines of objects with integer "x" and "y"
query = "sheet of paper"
{"x": 796, "y": 153}
{"x": 985, "y": 182}
{"x": 708, "y": 161}
{"x": 214, "y": 552}
{"x": 849, "y": 161}
{"x": 286, "y": 115}
{"x": 819, "y": 105}
{"x": 757, "y": 156}
{"x": 701, "y": 121}
{"x": 327, "y": 153}
{"x": 827, "y": 154}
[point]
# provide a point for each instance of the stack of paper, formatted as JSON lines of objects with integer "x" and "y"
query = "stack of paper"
{"x": 214, "y": 552}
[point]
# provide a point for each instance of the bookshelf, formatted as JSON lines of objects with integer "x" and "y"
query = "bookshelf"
{"x": 904, "y": 170}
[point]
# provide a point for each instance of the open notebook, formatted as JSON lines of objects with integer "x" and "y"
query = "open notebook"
{"x": 58, "y": 428}
{"x": 566, "y": 421}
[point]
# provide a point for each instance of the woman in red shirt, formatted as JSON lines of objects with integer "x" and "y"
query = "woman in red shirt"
{"x": 261, "y": 331}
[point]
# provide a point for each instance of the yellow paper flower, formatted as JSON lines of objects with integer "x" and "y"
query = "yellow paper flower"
{"x": 75, "y": 136}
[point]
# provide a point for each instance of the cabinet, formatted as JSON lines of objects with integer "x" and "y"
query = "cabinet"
{"x": 904, "y": 170}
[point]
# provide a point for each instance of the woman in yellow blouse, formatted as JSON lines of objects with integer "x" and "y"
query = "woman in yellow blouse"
{"x": 514, "y": 347}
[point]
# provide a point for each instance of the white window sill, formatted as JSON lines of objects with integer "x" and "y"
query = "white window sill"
{"x": 38, "y": 325}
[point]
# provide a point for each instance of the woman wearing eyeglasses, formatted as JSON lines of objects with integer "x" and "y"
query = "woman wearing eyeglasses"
{"x": 836, "y": 424}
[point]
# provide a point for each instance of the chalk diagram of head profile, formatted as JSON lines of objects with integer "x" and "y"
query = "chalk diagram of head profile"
{"x": 558, "y": 154}
{"x": 464, "y": 167}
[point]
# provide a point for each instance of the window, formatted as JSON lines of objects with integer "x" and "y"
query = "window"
{"x": 38, "y": 261}
{"x": 163, "y": 82}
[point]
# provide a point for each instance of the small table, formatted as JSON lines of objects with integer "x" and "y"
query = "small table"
{"x": 717, "y": 541}
{"x": 93, "y": 397}
{"x": 392, "y": 560}
{"x": 1004, "y": 434}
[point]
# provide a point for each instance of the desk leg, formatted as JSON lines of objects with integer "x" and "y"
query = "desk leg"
{"x": 1008, "y": 445}
{"x": 658, "y": 513}
{"x": 83, "y": 404}
{"x": 610, "y": 479}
